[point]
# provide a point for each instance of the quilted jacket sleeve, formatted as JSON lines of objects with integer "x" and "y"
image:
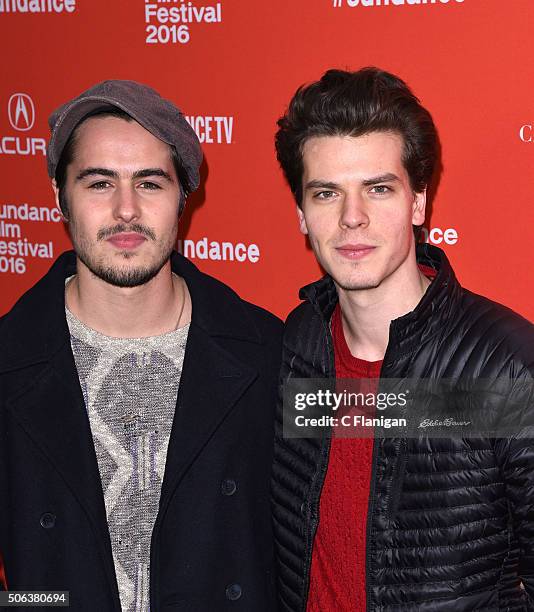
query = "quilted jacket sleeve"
{"x": 516, "y": 458}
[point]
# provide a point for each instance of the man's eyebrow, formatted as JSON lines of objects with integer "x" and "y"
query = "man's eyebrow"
{"x": 97, "y": 172}
{"x": 146, "y": 172}
{"x": 320, "y": 184}
{"x": 388, "y": 177}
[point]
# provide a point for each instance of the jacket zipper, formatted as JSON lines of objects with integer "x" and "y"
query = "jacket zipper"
{"x": 314, "y": 503}
{"x": 370, "y": 506}
{"x": 314, "y": 522}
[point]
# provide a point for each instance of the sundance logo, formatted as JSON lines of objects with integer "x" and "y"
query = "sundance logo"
{"x": 436, "y": 235}
{"x": 37, "y": 6}
{"x": 21, "y": 115}
{"x": 353, "y": 3}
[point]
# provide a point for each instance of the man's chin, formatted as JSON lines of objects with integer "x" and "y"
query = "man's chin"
{"x": 356, "y": 284}
{"x": 123, "y": 270}
{"x": 126, "y": 277}
{"x": 123, "y": 275}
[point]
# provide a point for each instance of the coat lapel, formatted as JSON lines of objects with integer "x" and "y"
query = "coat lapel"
{"x": 212, "y": 382}
{"x": 51, "y": 409}
{"x": 213, "y": 379}
{"x": 52, "y": 413}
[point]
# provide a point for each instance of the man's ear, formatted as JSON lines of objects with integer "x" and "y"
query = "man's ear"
{"x": 419, "y": 208}
{"x": 302, "y": 221}
{"x": 56, "y": 197}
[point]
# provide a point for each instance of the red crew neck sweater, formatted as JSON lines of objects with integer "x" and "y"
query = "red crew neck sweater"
{"x": 337, "y": 581}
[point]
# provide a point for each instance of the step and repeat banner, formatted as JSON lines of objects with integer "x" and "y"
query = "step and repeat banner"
{"x": 232, "y": 67}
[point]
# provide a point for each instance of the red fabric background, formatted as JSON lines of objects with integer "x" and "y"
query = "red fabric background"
{"x": 469, "y": 61}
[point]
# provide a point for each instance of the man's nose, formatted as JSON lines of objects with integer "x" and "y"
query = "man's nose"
{"x": 126, "y": 204}
{"x": 353, "y": 211}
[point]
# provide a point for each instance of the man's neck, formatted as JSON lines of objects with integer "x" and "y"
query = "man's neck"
{"x": 367, "y": 314}
{"x": 152, "y": 309}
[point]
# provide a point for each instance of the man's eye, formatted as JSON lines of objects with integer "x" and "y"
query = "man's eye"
{"x": 99, "y": 185}
{"x": 381, "y": 189}
{"x": 149, "y": 185}
{"x": 324, "y": 195}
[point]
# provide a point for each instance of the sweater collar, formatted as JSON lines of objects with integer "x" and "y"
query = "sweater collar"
{"x": 417, "y": 326}
{"x": 36, "y": 326}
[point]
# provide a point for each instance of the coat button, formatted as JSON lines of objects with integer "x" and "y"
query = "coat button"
{"x": 48, "y": 520}
{"x": 233, "y": 592}
{"x": 228, "y": 486}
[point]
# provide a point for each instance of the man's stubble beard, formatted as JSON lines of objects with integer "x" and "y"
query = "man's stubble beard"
{"x": 362, "y": 285}
{"x": 118, "y": 276}
{"x": 356, "y": 284}
{"x": 346, "y": 283}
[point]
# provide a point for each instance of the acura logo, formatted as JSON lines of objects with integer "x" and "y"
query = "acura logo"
{"x": 21, "y": 111}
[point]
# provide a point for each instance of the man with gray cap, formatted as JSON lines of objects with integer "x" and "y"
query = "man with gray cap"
{"x": 136, "y": 393}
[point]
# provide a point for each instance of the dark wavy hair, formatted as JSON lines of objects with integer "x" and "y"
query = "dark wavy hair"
{"x": 345, "y": 103}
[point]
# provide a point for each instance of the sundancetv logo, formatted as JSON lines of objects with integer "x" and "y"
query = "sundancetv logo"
{"x": 37, "y": 6}
{"x": 212, "y": 129}
{"x": 374, "y": 3}
{"x": 21, "y": 115}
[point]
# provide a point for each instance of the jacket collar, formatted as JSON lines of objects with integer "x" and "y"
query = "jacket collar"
{"x": 428, "y": 317}
{"x": 36, "y": 327}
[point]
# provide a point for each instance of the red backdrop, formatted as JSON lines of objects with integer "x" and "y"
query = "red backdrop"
{"x": 232, "y": 67}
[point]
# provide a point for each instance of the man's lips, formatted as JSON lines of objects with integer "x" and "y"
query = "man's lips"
{"x": 355, "y": 251}
{"x": 126, "y": 240}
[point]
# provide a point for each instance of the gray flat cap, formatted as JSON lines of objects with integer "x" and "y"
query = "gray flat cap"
{"x": 157, "y": 115}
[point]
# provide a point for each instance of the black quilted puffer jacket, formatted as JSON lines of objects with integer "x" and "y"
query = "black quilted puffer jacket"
{"x": 450, "y": 521}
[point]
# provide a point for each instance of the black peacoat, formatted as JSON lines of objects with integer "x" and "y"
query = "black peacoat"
{"x": 212, "y": 542}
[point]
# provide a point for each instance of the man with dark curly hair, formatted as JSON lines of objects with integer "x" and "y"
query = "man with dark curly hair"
{"x": 385, "y": 523}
